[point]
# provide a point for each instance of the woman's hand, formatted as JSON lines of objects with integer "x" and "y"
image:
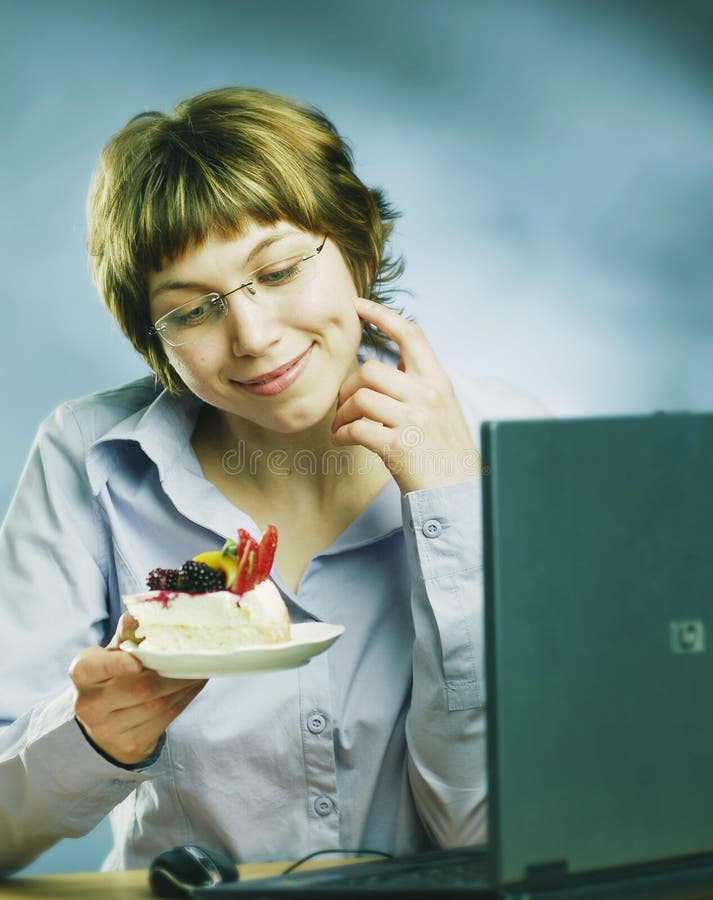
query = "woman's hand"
{"x": 409, "y": 416}
{"x": 123, "y": 707}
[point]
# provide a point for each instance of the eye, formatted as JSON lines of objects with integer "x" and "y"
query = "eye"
{"x": 281, "y": 272}
{"x": 196, "y": 312}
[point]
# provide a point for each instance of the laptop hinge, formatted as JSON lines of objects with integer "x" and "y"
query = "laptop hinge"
{"x": 546, "y": 874}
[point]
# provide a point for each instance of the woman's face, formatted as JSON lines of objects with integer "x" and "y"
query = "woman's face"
{"x": 301, "y": 343}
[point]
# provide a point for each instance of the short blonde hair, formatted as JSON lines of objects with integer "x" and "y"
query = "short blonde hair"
{"x": 222, "y": 159}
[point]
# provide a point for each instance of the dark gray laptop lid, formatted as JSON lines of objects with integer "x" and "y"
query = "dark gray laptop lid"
{"x": 599, "y": 618}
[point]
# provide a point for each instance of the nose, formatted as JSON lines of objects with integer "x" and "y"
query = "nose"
{"x": 252, "y": 326}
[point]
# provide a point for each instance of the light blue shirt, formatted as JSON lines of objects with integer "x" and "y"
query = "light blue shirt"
{"x": 377, "y": 743}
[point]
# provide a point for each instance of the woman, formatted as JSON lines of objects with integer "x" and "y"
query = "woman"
{"x": 246, "y": 262}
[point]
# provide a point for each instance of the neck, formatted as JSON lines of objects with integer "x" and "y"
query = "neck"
{"x": 309, "y": 460}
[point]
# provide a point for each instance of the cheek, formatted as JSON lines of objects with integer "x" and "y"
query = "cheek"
{"x": 330, "y": 309}
{"x": 338, "y": 324}
{"x": 188, "y": 367}
{"x": 354, "y": 331}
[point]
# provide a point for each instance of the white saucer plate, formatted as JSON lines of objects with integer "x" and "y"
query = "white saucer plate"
{"x": 308, "y": 639}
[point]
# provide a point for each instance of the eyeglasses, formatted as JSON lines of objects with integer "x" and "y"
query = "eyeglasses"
{"x": 284, "y": 279}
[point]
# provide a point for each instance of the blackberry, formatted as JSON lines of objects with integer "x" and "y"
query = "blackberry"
{"x": 162, "y": 580}
{"x": 198, "y": 578}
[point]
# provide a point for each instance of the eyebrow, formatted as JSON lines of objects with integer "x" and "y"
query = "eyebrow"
{"x": 267, "y": 242}
{"x": 165, "y": 286}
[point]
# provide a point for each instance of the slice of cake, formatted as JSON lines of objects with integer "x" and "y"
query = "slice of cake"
{"x": 219, "y": 600}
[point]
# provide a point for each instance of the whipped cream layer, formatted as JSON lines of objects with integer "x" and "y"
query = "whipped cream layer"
{"x": 171, "y": 621}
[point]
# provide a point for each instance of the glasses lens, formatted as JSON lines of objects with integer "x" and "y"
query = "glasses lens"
{"x": 190, "y": 321}
{"x": 288, "y": 276}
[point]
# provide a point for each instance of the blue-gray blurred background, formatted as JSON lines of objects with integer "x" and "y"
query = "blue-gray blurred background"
{"x": 553, "y": 161}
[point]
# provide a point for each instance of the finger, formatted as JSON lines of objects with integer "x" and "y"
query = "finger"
{"x": 164, "y": 687}
{"x": 366, "y": 403}
{"x": 163, "y": 718}
{"x": 415, "y": 349}
{"x": 97, "y": 704}
{"x": 389, "y": 442}
{"x": 367, "y": 433}
{"x": 148, "y": 686}
{"x": 97, "y": 665}
{"x": 154, "y": 711}
{"x": 130, "y": 743}
{"x": 378, "y": 375}
{"x": 125, "y": 631}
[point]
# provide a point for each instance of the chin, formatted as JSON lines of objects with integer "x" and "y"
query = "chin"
{"x": 300, "y": 420}
{"x": 303, "y": 414}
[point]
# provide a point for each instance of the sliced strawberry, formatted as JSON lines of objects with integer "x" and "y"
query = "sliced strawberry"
{"x": 243, "y": 538}
{"x": 266, "y": 553}
{"x": 251, "y": 570}
{"x": 247, "y": 567}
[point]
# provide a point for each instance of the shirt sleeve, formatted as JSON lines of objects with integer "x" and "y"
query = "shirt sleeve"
{"x": 53, "y": 784}
{"x": 53, "y": 603}
{"x": 445, "y": 726}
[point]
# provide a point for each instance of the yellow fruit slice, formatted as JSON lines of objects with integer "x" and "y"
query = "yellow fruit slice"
{"x": 217, "y": 560}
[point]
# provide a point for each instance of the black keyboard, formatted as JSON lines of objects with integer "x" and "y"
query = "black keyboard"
{"x": 432, "y": 876}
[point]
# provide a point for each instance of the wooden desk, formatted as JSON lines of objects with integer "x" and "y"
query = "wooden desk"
{"x": 131, "y": 885}
{"x": 134, "y": 885}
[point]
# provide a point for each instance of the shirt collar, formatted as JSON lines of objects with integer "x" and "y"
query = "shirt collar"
{"x": 162, "y": 430}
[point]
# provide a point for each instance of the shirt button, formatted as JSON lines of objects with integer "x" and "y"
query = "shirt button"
{"x": 323, "y": 806}
{"x": 316, "y": 722}
{"x": 432, "y": 528}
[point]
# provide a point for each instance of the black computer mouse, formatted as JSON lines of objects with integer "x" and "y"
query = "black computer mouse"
{"x": 174, "y": 873}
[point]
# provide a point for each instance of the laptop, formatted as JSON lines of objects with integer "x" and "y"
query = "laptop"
{"x": 598, "y": 561}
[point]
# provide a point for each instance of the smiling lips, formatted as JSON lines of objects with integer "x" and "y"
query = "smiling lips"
{"x": 279, "y": 379}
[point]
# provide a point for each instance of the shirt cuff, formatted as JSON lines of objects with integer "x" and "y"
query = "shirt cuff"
{"x": 445, "y": 524}
{"x": 145, "y": 763}
{"x": 53, "y": 784}
{"x": 443, "y": 532}
{"x": 56, "y": 736}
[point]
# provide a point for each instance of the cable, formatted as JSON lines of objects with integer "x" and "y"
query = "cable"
{"x": 304, "y": 859}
